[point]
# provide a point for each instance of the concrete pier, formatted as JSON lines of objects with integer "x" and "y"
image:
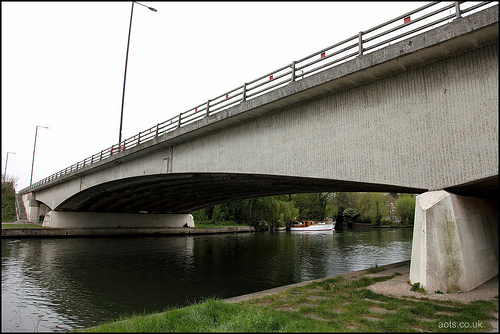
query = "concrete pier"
{"x": 455, "y": 243}
{"x": 109, "y": 219}
{"x": 114, "y": 232}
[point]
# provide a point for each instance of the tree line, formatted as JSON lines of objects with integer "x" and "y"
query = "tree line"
{"x": 354, "y": 207}
{"x": 8, "y": 198}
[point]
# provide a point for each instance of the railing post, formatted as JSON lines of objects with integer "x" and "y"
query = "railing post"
{"x": 245, "y": 91}
{"x": 293, "y": 70}
{"x": 157, "y": 129}
{"x": 179, "y": 121}
{"x": 360, "y": 42}
{"x": 457, "y": 9}
{"x": 208, "y": 106}
{"x": 139, "y": 138}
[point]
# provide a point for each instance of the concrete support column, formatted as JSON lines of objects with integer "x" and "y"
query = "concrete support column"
{"x": 106, "y": 219}
{"x": 32, "y": 207}
{"x": 455, "y": 242}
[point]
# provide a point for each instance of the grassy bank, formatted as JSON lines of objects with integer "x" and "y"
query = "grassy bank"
{"x": 27, "y": 225}
{"x": 332, "y": 305}
{"x": 224, "y": 224}
{"x": 31, "y": 225}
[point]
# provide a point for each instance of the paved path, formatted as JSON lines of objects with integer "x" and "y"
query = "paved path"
{"x": 399, "y": 287}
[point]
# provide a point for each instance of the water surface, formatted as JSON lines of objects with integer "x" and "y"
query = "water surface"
{"x": 59, "y": 284}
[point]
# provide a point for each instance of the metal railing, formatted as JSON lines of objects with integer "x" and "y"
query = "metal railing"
{"x": 414, "y": 22}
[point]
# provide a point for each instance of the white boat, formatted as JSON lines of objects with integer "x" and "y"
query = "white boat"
{"x": 312, "y": 226}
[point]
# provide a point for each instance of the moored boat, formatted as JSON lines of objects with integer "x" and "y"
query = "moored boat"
{"x": 310, "y": 225}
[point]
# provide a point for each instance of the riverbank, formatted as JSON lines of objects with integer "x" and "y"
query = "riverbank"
{"x": 121, "y": 231}
{"x": 375, "y": 300}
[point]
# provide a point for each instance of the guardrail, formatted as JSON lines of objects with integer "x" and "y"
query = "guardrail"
{"x": 416, "y": 21}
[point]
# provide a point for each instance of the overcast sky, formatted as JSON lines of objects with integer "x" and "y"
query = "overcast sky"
{"x": 63, "y": 65}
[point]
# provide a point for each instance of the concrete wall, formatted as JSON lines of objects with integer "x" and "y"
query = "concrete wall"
{"x": 432, "y": 126}
{"x": 115, "y": 231}
{"x": 455, "y": 242}
{"x": 104, "y": 219}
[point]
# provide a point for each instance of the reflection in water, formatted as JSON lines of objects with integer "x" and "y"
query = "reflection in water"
{"x": 60, "y": 284}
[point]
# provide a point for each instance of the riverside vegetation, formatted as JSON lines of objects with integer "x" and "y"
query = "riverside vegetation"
{"x": 332, "y": 305}
{"x": 9, "y": 205}
{"x": 368, "y": 208}
{"x": 8, "y": 199}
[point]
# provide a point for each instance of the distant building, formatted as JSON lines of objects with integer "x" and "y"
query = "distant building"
{"x": 393, "y": 210}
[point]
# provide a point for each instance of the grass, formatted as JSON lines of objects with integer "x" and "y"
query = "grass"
{"x": 375, "y": 269}
{"x": 223, "y": 224}
{"x": 417, "y": 288}
{"x": 332, "y": 305}
{"x": 27, "y": 225}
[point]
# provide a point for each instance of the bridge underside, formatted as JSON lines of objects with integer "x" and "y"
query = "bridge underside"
{"x": 187, "y": 192}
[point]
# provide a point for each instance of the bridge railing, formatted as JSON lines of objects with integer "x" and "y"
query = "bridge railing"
{"x": 414, "y": 22}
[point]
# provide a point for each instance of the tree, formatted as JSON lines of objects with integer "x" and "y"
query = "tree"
{"x": 282, "y": 211}
{"x": 341, "y": 202}
{"x": 406, "y": 208}
{"x": 378, "y": 209}
{"x": 364, "y": 207}
{"x": 9, "y": 198}
{"x": 312, "y": 205}
{"x": 350, "y": 215}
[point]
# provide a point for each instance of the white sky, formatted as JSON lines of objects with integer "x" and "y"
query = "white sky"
{"x": 63, "y": 65}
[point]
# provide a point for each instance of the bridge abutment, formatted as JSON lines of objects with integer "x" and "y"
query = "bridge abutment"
{"x": 108, "y": 219}
{"x": 35, "y": 210}
{"x": 455, "y": 242}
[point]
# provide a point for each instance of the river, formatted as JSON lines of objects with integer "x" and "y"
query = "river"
{"x": 60, "y": 284}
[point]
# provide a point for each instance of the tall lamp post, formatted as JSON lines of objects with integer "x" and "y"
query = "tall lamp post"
{"x": 6, "y": 160}
{"x": 34, "y": 147}
{"x": 126, "y": 62}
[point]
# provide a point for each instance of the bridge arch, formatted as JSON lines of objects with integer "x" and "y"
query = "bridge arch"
{"x": 187, "y": 192}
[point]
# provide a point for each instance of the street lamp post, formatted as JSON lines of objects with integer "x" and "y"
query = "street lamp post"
{"x": 34, "y": 147}
{"x": 6, "y": 160}
{"x": 126, "y": 62}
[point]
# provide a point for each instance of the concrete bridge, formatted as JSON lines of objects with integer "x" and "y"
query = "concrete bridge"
{"x": 413, "y": 109}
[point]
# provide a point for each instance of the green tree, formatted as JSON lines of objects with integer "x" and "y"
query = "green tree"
{"x": 341, "y": 202}
{"x": 312, "y": 205}
{"x": 378, "y": 209}
{"x": 406, "y": 208}
{"x": 201, "y": 216}
{"x": 286, "y": 211}
{"x": 8, "y": 198}
{"x": 349, "y": 215}
{"x": 364, "y": 207}
{"x": 256, "y": 210}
